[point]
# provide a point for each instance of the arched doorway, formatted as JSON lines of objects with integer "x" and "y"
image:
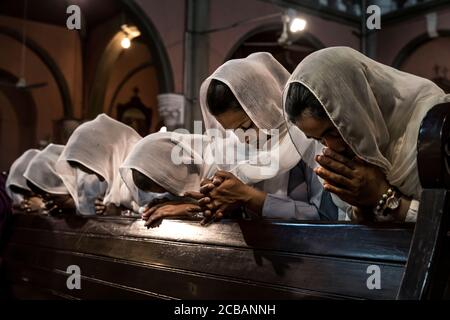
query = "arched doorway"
{"x": 50, "y": 64}
{"x": 153, "y": 40}
{"x": 266, "y": 39}
{"x": 82, "y": 64}
{"x": 428, "y": 57}
{"x": 17, "y": 120}
{"x": 117, "y": 69}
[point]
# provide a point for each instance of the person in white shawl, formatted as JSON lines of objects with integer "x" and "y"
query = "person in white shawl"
{"x": 246, "y": 94}
{"x": 43, "y": 180}
{"x": 161, "y": 168}
{"x": 368, "y": 116}
{"x": 16, "y": 185}
{"x": 89, "y": 164}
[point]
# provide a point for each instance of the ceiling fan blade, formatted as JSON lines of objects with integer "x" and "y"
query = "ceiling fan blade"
{"x": 7, "y": 84}
{"x": 35, "y": 85}
{"x": 23, "y": 86}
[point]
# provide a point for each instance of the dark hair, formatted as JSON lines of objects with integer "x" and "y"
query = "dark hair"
{"x": 300, "y": 100}
{"x": 19, "y": 190}
{"x": 142, "y": 181}
{"x": 35, "y": 189}
{"x": 220, "y": 98}
{"x": 145, "y": 183}
{"x": 77, "y": 165}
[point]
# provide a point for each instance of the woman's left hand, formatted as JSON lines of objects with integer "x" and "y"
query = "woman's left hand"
{"x": 356, "y": 182}
{"x": 224, "y": 192}
{"x": 230, "y": 192}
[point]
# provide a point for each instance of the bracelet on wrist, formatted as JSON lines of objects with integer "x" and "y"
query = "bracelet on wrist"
{"x": 390, "y": 200}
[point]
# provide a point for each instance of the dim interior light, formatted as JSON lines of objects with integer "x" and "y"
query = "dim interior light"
{"x": 125, "y": 43}
{"x": 297, "y": 25}
{"x": 130, "y": 32}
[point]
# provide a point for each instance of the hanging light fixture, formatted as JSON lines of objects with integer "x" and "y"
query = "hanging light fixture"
{"x": 130, "y": 32}
{"x": 297, "y": 24}
{"x": 292, "y": 24}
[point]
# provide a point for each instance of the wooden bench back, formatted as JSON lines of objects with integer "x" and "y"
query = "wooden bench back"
{"x": 120, "y": 258}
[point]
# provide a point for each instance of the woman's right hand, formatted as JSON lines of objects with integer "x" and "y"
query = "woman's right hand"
{"x": 356, "y": 181}
{"x": 206, "y": 185}
{"x": 100, "y": 207}
{"x": 32, "y": 204}
{"x": 169, "y": 210}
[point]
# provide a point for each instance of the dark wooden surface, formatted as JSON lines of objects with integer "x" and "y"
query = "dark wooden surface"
{"x": 426, "y": 249}
{"x": 427, "y": 271}
{"x": 433, "y": 148}
{"x": 120, "y": 258}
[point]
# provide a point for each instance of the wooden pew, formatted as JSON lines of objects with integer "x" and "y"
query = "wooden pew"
{"x": 121, "y": 259}
{"x": 428, "y": 268}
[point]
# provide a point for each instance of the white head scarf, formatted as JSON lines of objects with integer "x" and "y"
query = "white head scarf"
{"x": 177, "y": 162}
{"x": 100, "y": 145}
{"x": 377, "y": 109}
{"x": 15, "y": 175}
{"x": 41, "y": 170}
{"x": 257, "y": 82}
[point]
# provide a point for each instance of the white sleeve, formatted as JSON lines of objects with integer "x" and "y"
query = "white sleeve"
{"x": 411, "y": 215}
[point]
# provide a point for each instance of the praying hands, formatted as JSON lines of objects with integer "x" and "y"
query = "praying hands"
{"x": 355, "y": 181}
{"x": 225, "y": 193}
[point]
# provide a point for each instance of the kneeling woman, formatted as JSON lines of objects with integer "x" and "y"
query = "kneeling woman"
{"x": 16, "y": 185}
{"x": 89, "y": 166}
{"x": 367, "y": 115}
{"x": 246, "y": 94}
{"x": 161, "y": 168}
{"x": 43, "y": 180}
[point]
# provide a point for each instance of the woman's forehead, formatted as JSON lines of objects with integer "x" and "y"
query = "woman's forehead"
{"x": 231, "y": 119}
{"x": 313, "y": 126}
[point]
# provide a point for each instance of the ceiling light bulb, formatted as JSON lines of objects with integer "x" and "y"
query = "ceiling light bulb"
{"x": 125, "y": 43}
{"x": 297, "y": 25}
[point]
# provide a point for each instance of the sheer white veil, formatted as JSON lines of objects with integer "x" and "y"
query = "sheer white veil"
{"x": 15, "y": 175}
{"x": 101, "y": 145}
{"x": 177, "y": 162}
{"x": 41, "y": 170}
{"x": 257, "y": 82}
{"x": 376, "y": 108}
